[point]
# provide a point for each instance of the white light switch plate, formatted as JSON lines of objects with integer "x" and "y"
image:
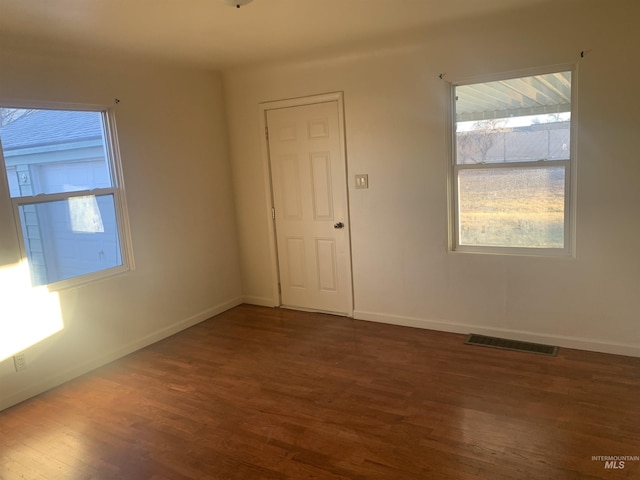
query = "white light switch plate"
{"x": 362, "y": 180}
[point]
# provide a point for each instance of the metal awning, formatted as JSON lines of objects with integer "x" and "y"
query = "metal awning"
{"x": 535, "y": 95}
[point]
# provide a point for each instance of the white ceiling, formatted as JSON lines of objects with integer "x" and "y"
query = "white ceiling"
{"x": 211, "y": 33}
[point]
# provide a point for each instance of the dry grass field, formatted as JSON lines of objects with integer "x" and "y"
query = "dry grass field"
{"x": 512, "y": 207}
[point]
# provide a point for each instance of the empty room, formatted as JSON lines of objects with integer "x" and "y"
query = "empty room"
{"x": 331, "y": 239}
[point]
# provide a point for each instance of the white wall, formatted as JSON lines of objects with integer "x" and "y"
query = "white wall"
{"x": 396, "y": 110}
{"x": 173, "y": 145}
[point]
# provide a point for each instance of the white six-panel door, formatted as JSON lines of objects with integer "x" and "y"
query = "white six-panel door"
{"x": 309, "y": 185}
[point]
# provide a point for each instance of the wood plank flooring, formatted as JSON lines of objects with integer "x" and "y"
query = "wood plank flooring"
{"x": 259, "y": 393}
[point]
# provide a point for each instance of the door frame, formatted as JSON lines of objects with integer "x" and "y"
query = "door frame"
{"x": 264, "y": 107}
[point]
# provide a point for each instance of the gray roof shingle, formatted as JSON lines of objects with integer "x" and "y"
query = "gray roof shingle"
{"x": 50, "y": 127}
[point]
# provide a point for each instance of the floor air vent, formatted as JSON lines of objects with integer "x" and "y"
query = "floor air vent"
{"x": 515, "y": 345}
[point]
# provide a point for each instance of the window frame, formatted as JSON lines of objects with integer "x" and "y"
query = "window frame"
{"x": 112, "y": 152}
{"x": 454, "y": 245}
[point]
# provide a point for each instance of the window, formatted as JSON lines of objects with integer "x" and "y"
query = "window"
{"x": 64, "y": 183}
{"x": 511, "y": 169}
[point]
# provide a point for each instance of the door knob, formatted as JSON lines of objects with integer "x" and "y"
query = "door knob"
{"x": 338, "y": 225}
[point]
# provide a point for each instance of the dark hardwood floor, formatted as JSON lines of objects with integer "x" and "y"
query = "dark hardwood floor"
{"x": 267, "y": 393}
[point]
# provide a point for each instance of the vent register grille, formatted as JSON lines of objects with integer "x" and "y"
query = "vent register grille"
{"x": 514, "y": 345}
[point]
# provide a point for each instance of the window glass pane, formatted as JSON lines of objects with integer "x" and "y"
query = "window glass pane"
{"x": 516, "y": 120}
{"x": 53, "y": 151}
{"x": 543, "y": 137}
{"x": 512, "y": 207}
{"x": 71, "y": 237}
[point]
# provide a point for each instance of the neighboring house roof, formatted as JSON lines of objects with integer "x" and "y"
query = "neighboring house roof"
{"x": 50, "y": 127}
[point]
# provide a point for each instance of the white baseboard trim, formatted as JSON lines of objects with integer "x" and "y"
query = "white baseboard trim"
{"x": 120, "y": 352}
{"x": 577, "y": 343}
{"x": 260, "y": 301}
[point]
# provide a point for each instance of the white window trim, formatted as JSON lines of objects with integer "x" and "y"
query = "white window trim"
{"x": 569, "y": 249}
{"x": 117, "y": 190}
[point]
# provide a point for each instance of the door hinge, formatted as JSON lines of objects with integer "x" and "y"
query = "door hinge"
{"x": 273, "y": 213}
{"x": 266, "y": 132}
